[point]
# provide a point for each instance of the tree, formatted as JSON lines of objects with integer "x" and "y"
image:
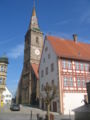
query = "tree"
{"x": 50, "y": 93}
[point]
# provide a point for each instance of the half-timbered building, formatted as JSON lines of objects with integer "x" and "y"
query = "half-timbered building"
{"x": 65, "y": 63}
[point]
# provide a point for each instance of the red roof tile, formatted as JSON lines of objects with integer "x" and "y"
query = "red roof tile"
{"x": 35, "y": 69}
{"x": 70, "y": 49}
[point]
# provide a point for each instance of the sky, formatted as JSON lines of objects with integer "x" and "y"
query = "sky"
{"x": 61, "y": 18}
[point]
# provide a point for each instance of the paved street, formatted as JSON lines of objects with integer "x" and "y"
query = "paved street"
{"x": 25, "y": 114}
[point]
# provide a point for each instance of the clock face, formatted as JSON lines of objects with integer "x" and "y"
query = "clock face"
{"x": 37, "y": 52}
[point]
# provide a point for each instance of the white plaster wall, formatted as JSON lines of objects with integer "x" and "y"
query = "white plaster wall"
{"x": 51, "y": 75}
{"x": 72, "y": 101}
{"x": 9, "y": 98}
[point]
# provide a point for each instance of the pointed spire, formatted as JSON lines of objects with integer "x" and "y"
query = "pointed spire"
{"x": 34, "y": 21}
{"x": 34, "y": 11}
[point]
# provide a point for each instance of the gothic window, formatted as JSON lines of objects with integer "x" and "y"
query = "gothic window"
{"x": 37, "y": 40}
{"x": 25, "y": 77}
{"x": 52, "y": 67}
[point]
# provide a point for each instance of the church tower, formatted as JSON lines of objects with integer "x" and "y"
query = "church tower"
{"x": 33, "y": 41}
{"x": 32, "y": 54}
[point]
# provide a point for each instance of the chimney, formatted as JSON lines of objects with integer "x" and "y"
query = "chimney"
{"x": 75, "y": 38}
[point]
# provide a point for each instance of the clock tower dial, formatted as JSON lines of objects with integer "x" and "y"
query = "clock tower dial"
{"x": 37, "y": 52}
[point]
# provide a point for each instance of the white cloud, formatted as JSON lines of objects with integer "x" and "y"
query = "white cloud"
{"x": 17, "y": 51}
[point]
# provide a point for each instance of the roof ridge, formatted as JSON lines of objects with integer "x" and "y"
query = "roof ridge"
{"x": 71, "y": 40}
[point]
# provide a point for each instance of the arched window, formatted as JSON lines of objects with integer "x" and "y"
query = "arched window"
{"x": 37, "y": 40}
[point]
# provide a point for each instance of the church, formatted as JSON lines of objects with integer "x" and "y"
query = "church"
{"x": 28, "y": 87}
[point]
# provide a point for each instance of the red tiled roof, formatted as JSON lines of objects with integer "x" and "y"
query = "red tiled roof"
{"x": 70, "y": 49}
{"x": 35, "y": 69}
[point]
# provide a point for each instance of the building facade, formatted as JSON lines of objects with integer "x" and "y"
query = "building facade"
{"x": 7, "y": 96}
{"x": 32, "y": 55}
{"x": 66, "y": 64}
{"x": 3, "y": 75}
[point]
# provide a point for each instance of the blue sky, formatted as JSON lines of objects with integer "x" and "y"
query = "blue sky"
{"x": 56, "y": 17}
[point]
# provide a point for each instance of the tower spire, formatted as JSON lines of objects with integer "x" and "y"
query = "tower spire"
{"x": 34, "y": 11}
{"x": 34, "y": 21}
